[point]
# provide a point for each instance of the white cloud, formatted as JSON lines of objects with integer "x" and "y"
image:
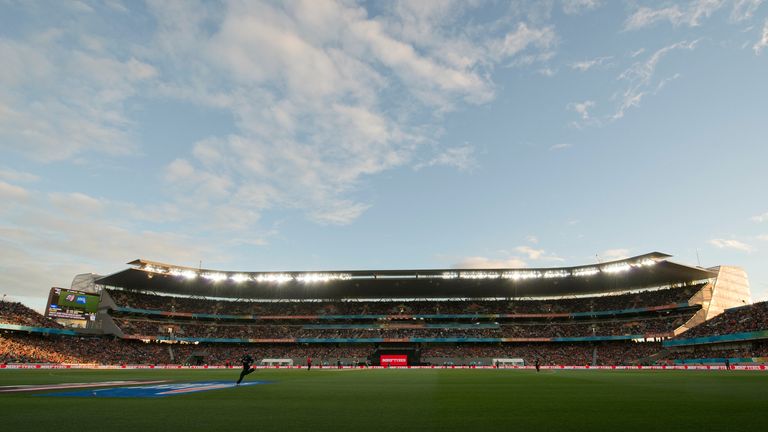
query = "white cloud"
{"x": 744, "y": 9}
{"x": 306, "y": 82}
{"x": 582, "y": 108}
{"x": 579, "y": 6}
{"x": 731, "y": 244}
{"x": 760, "y": 218}
{"x": 537, "y": 254}
{"x": 48, "y": 238}
{"x": 763, "y": 42}
{"x": 640, "y": 78}
{"x": 532, "y": 253}
{"x": 17, "y": 176}
{"x": 58, "y": 102}
{"x": 532, "y": 239}
{"x": 561, "y": 146}
{"x": 586, "y": 65}
{"x": 479, "y": 262}
{"x": 690, "y": 15}
{"x": 13, "y": 192}
{"x": 523, "y": 37}
{"x": 547, "y": 72}
{"x": 763, "y": 237}
{"x": 461, "y": 158}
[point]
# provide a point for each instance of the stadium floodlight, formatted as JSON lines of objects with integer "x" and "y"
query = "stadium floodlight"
{"x": 616, "y": 268}
{"x": 549, "y": 274}
{"x": 521, "y": 274}
{"x": 322, "y": 277}
{"x": 449, "y": 275}
{"x": 588, "y": 271}
{"x": 240, "y": 277}
{"x": 479, "y": 275}
{"x": 213, "y": 276}
{"x": 154, "y": 269}
{"x": 645, "y": 262}
{"x": 187, "y": 274}
{"x": 274, "y": 277}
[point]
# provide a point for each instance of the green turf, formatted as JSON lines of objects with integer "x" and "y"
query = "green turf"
{"x": 405, "y": 400}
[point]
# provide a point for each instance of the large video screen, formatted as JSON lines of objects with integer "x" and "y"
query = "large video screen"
{"x": 70, "y": 304}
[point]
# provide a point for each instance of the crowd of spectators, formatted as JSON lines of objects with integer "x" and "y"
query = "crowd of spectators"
{"x": 605, "y": 353}
{"x": 30, "y": 348}
{"x": 520, "y": 306}
{"x": 746, "y": 350}
{"x": 17, "y": 313}
{"x": 743, "y": 319}
{"x": 654, "y": 324}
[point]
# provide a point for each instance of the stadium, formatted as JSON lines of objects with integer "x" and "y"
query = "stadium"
{"x": 161, "y": 323}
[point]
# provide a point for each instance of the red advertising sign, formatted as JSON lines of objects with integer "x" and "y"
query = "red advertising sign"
{"x": 394, "y": 360}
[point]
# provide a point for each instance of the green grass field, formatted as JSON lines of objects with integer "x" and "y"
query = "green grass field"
{"x": 404, "y": 400}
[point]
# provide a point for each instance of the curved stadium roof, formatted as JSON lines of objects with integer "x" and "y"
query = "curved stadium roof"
{"x": 643, "y": 271}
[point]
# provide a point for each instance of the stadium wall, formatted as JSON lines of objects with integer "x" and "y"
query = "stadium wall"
{"x": 731, "y": 289}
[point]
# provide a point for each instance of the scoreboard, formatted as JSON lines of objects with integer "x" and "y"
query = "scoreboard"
{"x": 71, "y": 304}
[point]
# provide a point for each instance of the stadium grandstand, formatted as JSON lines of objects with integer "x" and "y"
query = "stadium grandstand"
{"x": 641, "y": 310}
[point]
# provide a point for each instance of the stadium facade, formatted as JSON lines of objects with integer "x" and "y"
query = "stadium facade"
{"x": 443, "y": 315}
{"x": 641, "y": 310}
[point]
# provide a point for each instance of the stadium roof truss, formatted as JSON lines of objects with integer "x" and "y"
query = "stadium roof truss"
{"x": 643, "y": 271}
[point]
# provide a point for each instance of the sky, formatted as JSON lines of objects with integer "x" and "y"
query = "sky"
{"x": 340, "y": 135}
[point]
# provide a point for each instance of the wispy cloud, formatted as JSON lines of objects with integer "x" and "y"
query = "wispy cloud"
{"x": 760, "y": 218}
{"x": 732, "y": 244}
{"x": 326, "y": 70}
{"x": 461, "y": 158}
{"x": 12, "y": 192}
{"x": 78, "y": 100}
{"x": 48, "y": 237}
{"x": 537, "y": 254}
{"x": 17, "y": 176}
{"x": 586, "y": 65}
{"x": 744, "y": 9}
{"x": 579, "y": 6}
{"x": 690, "y": 15}
{"x": 582, "y": 108}
{"x": 763, "y": 42}
{"x": 641, "y": 80}
{"x": 520, "y": 257}
{"x": 763, "y": 237}
{"x": 561, "y": 146}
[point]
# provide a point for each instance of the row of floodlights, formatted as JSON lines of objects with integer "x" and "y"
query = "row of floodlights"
{"x": 244, "y": 277}
{"x": 326, "y": 277}
{"x": 550, "y": 274}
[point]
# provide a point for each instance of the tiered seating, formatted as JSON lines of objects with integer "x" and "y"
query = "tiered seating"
{"x": 743, "y": 319}
{"x": 17, "y": 313}
{"x": 527, "y": 329}
{"x": 756, "y": 349}
{"x": 601, "y": 303}
{"x": 24, "y": 348}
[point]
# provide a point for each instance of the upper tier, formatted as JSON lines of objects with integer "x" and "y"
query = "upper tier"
{"x": 128, "y": 301}
{"x": 644, "y": 271}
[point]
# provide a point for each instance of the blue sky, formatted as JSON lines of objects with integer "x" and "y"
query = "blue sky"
{"x": 339, "y": 135}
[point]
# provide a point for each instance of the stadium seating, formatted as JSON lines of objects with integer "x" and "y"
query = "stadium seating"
{"x": 601, "y": 303}
{"x": 17, "y": 313}
{"x": 742, "y": 319}
{"x": 626, "y": 315}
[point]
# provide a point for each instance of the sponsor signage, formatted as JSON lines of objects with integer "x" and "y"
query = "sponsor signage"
{"x": 394, "y": 360}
